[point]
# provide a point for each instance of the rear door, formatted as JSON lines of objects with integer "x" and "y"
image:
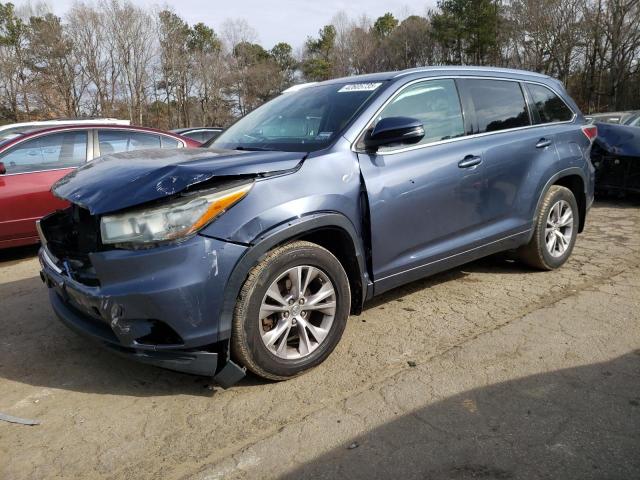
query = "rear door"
{"x": 33, "y": 166}
{"x": 516, "y": 153}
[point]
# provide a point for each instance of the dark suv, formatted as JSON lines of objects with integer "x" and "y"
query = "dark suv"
{"x": 254, "y": 252}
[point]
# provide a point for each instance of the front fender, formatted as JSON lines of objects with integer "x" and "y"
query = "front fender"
{"x": 282, "y": 233}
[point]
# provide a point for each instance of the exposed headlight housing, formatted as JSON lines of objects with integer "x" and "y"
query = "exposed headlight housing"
{"x": 170, "y": 221}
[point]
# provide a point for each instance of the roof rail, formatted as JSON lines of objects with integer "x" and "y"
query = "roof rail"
{"x": 469, "y": 68}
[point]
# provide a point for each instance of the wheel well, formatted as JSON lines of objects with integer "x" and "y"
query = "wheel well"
{"x": 576, "y": 185}
{"x": 339, "y": 243}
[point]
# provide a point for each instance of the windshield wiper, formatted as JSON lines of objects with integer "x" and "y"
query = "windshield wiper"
{"x": 253, "y": 149}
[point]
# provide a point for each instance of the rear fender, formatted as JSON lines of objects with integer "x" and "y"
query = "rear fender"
{"x": 552, "y": 181}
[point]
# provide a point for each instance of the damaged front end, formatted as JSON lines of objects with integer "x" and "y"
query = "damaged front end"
{"x": 139, "y": 304}
{"x": 616, "y": 158}
{"x": 128, "y": 265}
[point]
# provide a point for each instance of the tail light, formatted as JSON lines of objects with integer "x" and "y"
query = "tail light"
{"x": 590, "y": 131}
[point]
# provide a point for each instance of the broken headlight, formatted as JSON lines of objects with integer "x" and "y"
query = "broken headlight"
{"x": 176, "y": 219}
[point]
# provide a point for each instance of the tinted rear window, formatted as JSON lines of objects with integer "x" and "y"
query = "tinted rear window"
{"x": 499, "y": 104}
{"x": 549, "y": 106}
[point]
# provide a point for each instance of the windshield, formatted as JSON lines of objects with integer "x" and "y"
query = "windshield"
{"x": 301, "y": 121}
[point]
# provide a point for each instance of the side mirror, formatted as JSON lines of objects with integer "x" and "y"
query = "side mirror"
{"x": 3, "y": 169}
{"x": 402, "y": 130}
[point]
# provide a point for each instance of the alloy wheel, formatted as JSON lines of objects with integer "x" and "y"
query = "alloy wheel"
{"x": 559, "y": 230}
{"x": 297, "y": 312}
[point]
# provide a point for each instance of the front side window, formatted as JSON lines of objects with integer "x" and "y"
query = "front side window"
{"x": 300, "y": 121}
{"x": 115, "y": 141}
{"x": 498, "y": 104}
{"x": 549, "y": 106}
{"x": 49, "y": 152}
{"x": 435, "y": 103}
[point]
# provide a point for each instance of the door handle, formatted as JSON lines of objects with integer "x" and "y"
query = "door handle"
{"x": 543, "y": 142}
{"x": 470, "y": 161}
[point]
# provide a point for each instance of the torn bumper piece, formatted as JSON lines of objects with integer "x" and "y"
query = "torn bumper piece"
{"x": 224, "y": 371}
{"x": 158, "y": 306}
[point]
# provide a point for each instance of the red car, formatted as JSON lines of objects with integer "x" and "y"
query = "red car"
{"x": 33, "y": 160}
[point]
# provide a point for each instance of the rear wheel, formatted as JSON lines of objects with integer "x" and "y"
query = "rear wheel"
{"x": 291, "y": 312}
{"x": 555, "y": 231}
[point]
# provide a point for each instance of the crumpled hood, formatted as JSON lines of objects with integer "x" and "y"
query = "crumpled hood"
{"x": 122, "y": 180}
{"x": 620, "y": 140}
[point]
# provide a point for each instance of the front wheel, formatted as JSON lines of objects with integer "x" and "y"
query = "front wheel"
{"x": 291, "y": 312}
{"x": 555, "y": 230}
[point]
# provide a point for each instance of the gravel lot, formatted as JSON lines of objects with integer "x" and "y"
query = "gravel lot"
{"x": 487, "y": 371}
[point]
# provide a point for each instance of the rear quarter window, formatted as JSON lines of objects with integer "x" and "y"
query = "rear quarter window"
{"x": 549, "y": 106}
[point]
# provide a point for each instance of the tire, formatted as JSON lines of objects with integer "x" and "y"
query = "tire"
{"x": 301, "y": 349}
{"x": 537, "y": 253}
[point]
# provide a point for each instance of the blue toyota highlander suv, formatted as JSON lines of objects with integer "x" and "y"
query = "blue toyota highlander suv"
{"x": 251, "y": 254}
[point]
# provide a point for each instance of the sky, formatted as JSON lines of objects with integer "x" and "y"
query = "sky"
{"x": 290, "y": 21}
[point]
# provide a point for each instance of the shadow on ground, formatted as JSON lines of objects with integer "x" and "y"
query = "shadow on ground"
{"x": 36, "y": 349}
{"x": 42, "y": 352}
{"x": 500, "y": 263}
{"x": 8, "y": 256}
{"x": 578, "y": 423}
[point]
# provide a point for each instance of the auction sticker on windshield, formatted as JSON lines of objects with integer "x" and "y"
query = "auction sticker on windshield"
{"x": 360, "y": 87}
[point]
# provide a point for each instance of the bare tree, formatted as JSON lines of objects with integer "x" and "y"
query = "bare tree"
{"x": 61, "y": 84}
{"x": 13, "y": 70}
{"x": 94, "y": 50}
{"x": 622, "y": 33}
{"x": 135, "y": 47}
{"x": 115, "y": 58}
{"x": 175, "y": 61}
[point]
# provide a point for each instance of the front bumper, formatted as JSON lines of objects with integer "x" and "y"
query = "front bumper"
{"x": 158, "y": 306}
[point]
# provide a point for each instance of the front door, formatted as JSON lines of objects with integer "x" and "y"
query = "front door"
{"x": 425, "y": 200}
